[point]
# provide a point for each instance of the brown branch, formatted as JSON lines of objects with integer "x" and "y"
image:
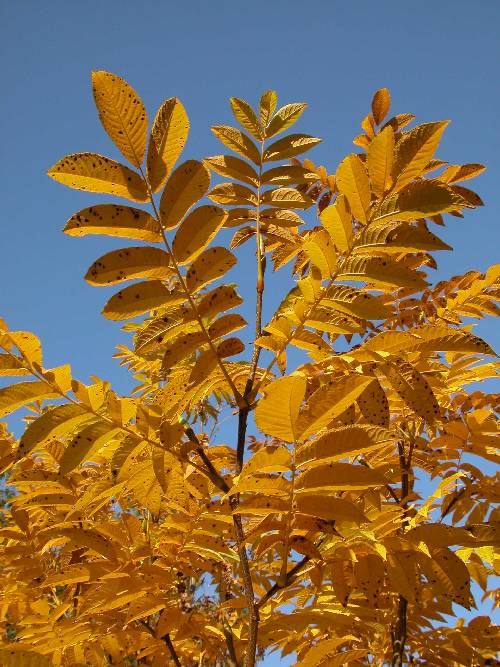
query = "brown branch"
{"x": 165, "y": 638}
{"x": 399, "y": 637}
{"x": 289, "y": 579}
{"x": 253, "y": 609}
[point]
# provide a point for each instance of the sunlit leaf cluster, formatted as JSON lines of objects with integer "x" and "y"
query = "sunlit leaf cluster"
{"x": 343, "y": 507}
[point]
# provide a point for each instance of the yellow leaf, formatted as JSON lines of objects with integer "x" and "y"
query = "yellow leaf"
{"x": 396, "y": 238}
{"x": 196, "y": 232}
{"x": 230, "y": 347}
{"x": 12, "y": 366}
{"x": 268, "y": 102}
{"x": 187, "y": 185}
{"x": 277, "y": 412}
{"x": 234, "y": 194}
{"x": 374, "y": 405}
{"x": 95, "y": 173}
{"x": 160, "y": 330}
{"x": 114, "y": 220}
{"x": 268, "y": 486}
{"x": 269, "y": 459}
{"x": 52, "y": 424}
{"x": 369, "y": 571}
{"x": 415, "y": 150}
{"x": 317, "y": 654}
{"x": 210, "y": 265}
{"x": 129, "y": 263}
{"x": 329, "y": 401}
{"x": 337, "y": 221}
{"x": 319, "y": 249}
{"x": 168, "y": 137}
{"x": 381, "y": 103}
{"x": 318, "y": 348}
{"x": 338, "y": 477}
{"x": 288, "y": 175}
{"x": 280, "y": 217}
{"x": 461, "y": 172}
{"x": 28, "y": 345}
{"x": 355, "y": 302}
{"x": 286, "y": 198}
{"x": 246, "y": 117}
{"x": 418, "y": 200}
{"x": 380, "y": 271}
{"x": 342, "y": 442}
{"x": 440, "y": 535}
{"x": 237, "y": 142}
{"x": 402, "y": 573}
{"x": 290, "y": 146}
{"x": 88, "y": 441}
{"x": 379, "y": 161}
{"x": 19, "y": 657}
{"x": 219, "y": 300}
{"x": 140, "y": 298}
{"x": 352, "y": 181}
{"x": 22, "y": 393}
{"x": 181, "y": 347}
{"x": 122, "y": 113}
{"x": 72, "y": 574}
{"x": 329, "y": 508}
{"x": 233, "y": 167}
{"x": 285, "y": 118}
{"x": 226, "y": 324}
{"x": 413, "y": 389}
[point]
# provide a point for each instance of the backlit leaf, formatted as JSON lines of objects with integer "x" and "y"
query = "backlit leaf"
{"x": 290, "y": 146}
{"x": 246, "y": 117}
{"x": 285, "y": 118}
{"x": 210, "y": 265}
{"x": 129, "y": 263}
{"x": 96, "y": 173}
{"x": 168, "y": 136}
{"x": 379, "y": 161}
{"x": 196, "y": 232}
{"x": 237, "y": 141}
{"x": 381, "y": 103}
{"x": 22, "y": 393}
{"x": 114, "y": 220}
{"x": 277, "y": 413}
{"x": 415, "y": 150}
{"x": 352, "y": 181}
{"x": 140, "y": 298}
{"x": 187, "y": 184}
{"x": 122, "y": 113}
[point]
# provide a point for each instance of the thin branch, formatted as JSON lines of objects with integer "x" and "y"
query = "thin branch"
{"x": 237, "y": 396}
{"x": 165, "y": 638}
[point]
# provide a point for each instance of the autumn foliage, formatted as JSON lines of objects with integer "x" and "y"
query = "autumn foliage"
{"x": 353, "y": 503}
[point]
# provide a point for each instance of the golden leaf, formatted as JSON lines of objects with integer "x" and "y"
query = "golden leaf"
{"x": 381, "y": 103}
{"x": 196, "y": 232}
{"x": 352, "y": 181}
{"x": 237, "y": 141}
{"x": 114, "y": 220}
{"x": 268, "y": 102}
{"x": 415, "y": 150}
{"x": 232, "y": 167}
{"x": 22, "y": 393}
{"x": 379, "y": 161}
{"x": 246, "y": 117}
{"x": 122, "y": 114}
{"x": 285, "y": 118}
{"x": 290, "y": 146}
{"x": 96, "y": 173}
{"x": 278, "y": 411}
{"x": 337, "y": 221}
{"x": 129, "y": 263}
{"x": 210, "y": 265}
{"x": 168, "y": 136}
{"x": 140, "y": 298}
{"x": 186, "y": 185}
{"x": 338, "y": 477}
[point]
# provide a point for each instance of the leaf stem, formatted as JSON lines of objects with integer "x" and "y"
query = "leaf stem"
{"x": 237, "y": 396}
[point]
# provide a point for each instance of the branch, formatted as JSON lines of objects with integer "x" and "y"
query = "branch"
{"x": 165, "y": 638}
{"x": 289, "y": 579}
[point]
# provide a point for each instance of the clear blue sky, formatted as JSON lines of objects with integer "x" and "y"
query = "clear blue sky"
{"x": 439, "y": 58}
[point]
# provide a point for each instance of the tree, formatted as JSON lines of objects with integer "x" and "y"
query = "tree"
{"x": 356, "y": 500}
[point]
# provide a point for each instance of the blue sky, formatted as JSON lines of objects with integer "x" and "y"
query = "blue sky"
{"x": 439, "y": 59}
